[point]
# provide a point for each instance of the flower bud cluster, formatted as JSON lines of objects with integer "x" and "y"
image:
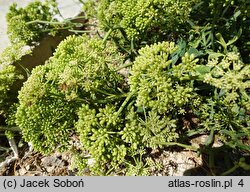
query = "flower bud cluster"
{"x": 81, "y": 71}
{"x": 153, "y": 79}
{"x": 19, "y": 30}
{"x": 144, "y": 20}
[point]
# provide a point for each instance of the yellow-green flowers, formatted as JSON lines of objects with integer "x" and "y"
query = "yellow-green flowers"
{"x": 81, "y": 71}
{"x": 144, "y": 20}
{"x": 19, "y": 28}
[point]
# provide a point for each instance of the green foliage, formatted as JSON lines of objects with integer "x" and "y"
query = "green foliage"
{"x": 230, "y": 18}
{"x": 19, "y": 28}
{"x": 241, "y": 5}
{"x": 149, "y": 131}
{"x": 221, "y": 12}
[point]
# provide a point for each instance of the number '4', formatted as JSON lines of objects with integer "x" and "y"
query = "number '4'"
{"x": 241, "y": 183}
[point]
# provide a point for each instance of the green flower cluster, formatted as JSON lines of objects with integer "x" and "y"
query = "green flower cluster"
{"x": 111, "y": 135}
{"x": 230, "y": 78}
{"x": 153, "y": 80}
{"x": 144, "y": 20}
{"x": 162, "y": 87}
{"x": 81, "y": 71}
{"x": 9, "y": 74}
{"x": 19, "y": 28}
{"x": 47, "y": 123}
{"x": 110, "y": 138}
{"x": 225, "y": 100}
{"x": 99, "y": 134}
{"x": 230, "y": 75}
{"x": 7, "y": 77}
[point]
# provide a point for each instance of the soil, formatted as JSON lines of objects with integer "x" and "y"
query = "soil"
{"x": 172, "y": 162}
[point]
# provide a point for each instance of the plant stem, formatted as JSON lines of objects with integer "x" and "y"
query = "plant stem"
{"x": 124, "y": 66}
{"x": 13, "y": 146}
{"x": 110, "y": 98}
{"x": 178, "y": 144}
{"x": 106, "y": 36}
{"x": 46, "y": 22}
{"x": 114, "y": 133}
{"x": 230, "y": 170}
{"x": 66, "y": 22}
{"x": 5, "y": 128}
{"x": 125, "y": 103}
{"x": 210, "y": 140}
{"x": 211, "y": 162}
{"x": 4, "y": 148}
{"x": 103, "y": 92}
{"x": 80, "y": 31}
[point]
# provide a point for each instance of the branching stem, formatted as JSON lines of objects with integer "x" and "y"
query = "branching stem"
{"x": 125, "y": 102}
